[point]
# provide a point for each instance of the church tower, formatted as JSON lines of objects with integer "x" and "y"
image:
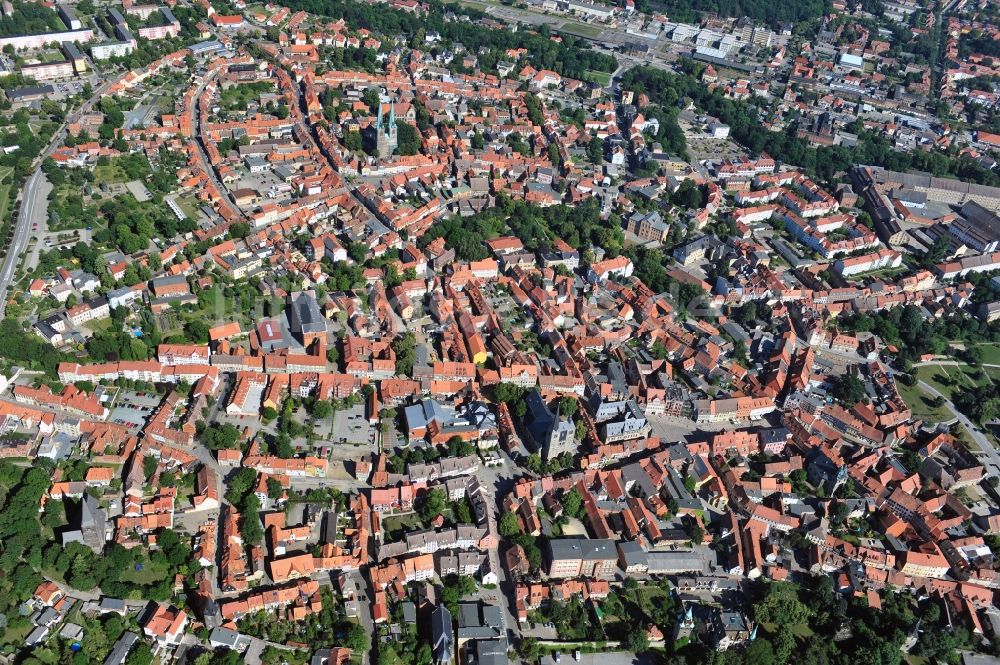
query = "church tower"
{"x": 386, "y": 137}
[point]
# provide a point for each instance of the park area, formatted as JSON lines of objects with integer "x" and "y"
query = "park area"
{"x": 950, "y": 381}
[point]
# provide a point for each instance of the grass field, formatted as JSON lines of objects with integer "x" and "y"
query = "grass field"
{"x": 189, "y": 205}
{"x": 991, "y": 353}
{"x": 239, "y": 96}
{"x": 582, "y": 29}
{"x": 5, "y": 172}
{"x": 149, "y": 574}
{"x": 109, "y": 173}
{"x": 99, "y": 325}
{"x": 947, "y": 380}
{"x": 920, "y": 404}
{"x": 602, "y": 78}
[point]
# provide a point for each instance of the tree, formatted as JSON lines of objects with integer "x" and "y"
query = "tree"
{"x": 572, "y": 502}
{"x": 240, "y": 485}
{"x": 849, "y": 389}
{"x": 357, "y": 639}
{"x": 149, "y": 466}
{"x": 636, "y": 639}
{"x": 353, "y": 142}
{"x": 372, "y": 100}
{"x": 760, "y": 652}
{"x": 781, "y": 605}
{"x": 529, "y": 649}
{"x": 462, "y": 512}
{"x": 509, "y": 525}
{"x": 973, "y": 355}
{"x": 688, "y": 195}
{"x": 747, "y": 313}
{"x": 408, "y": 139}
{"x": 595, "y": 150}
{"x": 282, "y": 446}
{"x": 196, "y": 331}
{"x": 322, "y": 409}
{"x": 176, "y": 550}
{"x": 404, "y": 347}
{"x": 251, "y": 529}
{"x": 508, "y": 392}
{"x": 568, "y": 406}
{"x": 239, "y": 230}
{"x": 432, "y": 505}
{"x": 141, "y": 654}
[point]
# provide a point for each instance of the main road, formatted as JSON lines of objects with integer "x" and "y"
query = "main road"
{"x": 30, "y": 202}
{"x": 989, "y": 450}
{"x": 19, "y": 242}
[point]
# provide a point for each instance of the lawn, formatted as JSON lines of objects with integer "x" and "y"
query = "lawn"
{"x": 920, "y": 404}
{"x": 950, "y": 378}
{"x": 400, "y": 524}
{"x": 603, "y": 78}
{"x": 582, "y": 29}
{"x": 99, "y": 325}
{"x": 239, "y": 96}
{"x": 189, "y": 205}
{"x": 150, "y": 573}
{"x": 5, "y": 193}
{"x": 991, "y": 353}
{"x": 17, "y": 635}
{"x": 947, "y": 380}
{"x": 919, "y": 401}
{"x": 109, "y": 173}
{"x": 4, "y": 201}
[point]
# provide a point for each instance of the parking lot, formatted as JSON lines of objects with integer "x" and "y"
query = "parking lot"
{"x": 132, "y": 408}
{"x": 351, "y": 426}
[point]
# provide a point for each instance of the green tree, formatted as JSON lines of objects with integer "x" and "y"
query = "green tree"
{"x": 433, "y": 504}
{"x": 322, "y": 409}
{"x": 251, "y": 528}
{"x": 636, "y": 639}
{"x": 509, "y": 524}
{"x": 595, "y": 150}
{"x": 408, "y": 139}
{"x": 353, "y": 142}
{"x": 149, "y": 466}
{"x": 572, "y": 503}
{"x": 141, "y": 654}
{"x": 849, "y": 389}
{"x": 781, "y": 605}
{"x": 404, "y": 347}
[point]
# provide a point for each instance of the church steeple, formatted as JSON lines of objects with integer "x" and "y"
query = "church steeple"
{"x": 386, "y": 133}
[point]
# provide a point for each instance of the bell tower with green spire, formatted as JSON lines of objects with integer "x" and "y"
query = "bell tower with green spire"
{"x": 386, "y": 137}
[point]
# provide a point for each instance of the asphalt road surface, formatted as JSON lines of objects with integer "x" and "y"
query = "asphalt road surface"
{"x": 22, "y": 231}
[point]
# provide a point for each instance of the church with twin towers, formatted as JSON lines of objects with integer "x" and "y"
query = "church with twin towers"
{"x": 386, "y": 136}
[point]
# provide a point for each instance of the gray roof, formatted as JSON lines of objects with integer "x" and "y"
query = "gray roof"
{"x": 121, "y": 649}
{"x": 225, "y": 637}
{"x": 442, "y": 639}
{"x": 632, "y": 553}
{"x": 670, "y": 562}
{"x": 582, "y": 548}
{"x": 112, "y": 604}
{"x": 477, "y": 621}
{"x": 29, "y": 91}
{"x": 491, "y": 652}
{"x": 305, "y": 314}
